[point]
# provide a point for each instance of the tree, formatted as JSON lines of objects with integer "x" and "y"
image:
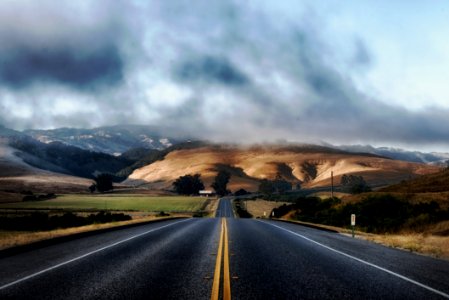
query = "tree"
{"x": 281, "y": 185}
{"x": 221, "y": 182}
{"x": 278, "y": 185}
{"x": 266, "y": 187}
{"x": 188, "y": 184}
{"x": 103, "y": 182}
{"x": 92, "y": 187}
{"x": 354, "y": 184}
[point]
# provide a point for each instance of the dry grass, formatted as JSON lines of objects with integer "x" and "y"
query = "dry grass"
{"x": 17, "y": 238}
{"x": 436, "y": 246}
{"x": 212, "y": 207}
{"x": 423, "y": 243}
{"x": 262, "y": 208}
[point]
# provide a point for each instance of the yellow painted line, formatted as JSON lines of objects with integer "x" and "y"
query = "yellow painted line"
{"x": 226, "y": 280}
{"x": 216, "y": 284}
{"x": 217, "y": 273}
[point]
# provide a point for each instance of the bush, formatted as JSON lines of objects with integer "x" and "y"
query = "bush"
{"x": 162, "y": 214}
{"x": 383, "y": 213}
{"x": 241, "y": 192}
{"x": 375, "y": 213}
{"x": 241, "y": 210}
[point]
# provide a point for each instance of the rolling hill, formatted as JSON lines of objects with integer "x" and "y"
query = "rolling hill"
{"x": 18, "y": 176}
{"x": 307, "y": 165}
{"x": 65, "y": 159}
{"x": 430, "y": 183}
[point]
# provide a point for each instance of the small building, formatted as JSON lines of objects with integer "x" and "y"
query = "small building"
{"x": 207, "y": 193}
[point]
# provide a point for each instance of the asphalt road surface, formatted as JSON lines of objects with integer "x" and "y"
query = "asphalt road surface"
{"x": 210, "y": 258}
{"x": 224, "y": 209}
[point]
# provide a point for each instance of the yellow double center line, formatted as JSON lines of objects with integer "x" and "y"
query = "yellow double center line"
{"x": 226, "y": 277}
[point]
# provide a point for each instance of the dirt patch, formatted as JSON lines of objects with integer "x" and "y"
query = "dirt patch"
{"x": 262, "y": 208}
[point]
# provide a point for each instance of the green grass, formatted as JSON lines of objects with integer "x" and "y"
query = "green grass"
{"x": 113, "y": 202}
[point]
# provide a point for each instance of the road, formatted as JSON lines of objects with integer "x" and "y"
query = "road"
{"x": 224, "y": 209}
{"x": 222, "y": 257}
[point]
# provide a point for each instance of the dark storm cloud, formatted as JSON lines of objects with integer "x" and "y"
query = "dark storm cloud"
{"x": 209, "y": 69}
{"x": 78, "y": 67}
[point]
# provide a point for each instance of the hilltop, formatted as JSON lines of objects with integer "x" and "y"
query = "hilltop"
{"x": 307, "y": 165}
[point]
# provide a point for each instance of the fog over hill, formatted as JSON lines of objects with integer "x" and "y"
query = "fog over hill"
{"x": 119, "y": 139}
{"x": 434, "y": 158}
{"x": 153, "y": 159}
{"x": 110, "y": 139}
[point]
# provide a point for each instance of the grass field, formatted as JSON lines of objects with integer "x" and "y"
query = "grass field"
{"x": 113, "y": 202}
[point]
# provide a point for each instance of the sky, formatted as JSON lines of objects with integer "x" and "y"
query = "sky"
{"x": 343, "y": 72}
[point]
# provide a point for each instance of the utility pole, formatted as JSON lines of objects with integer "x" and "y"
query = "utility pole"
{"x": 332, "y": 184}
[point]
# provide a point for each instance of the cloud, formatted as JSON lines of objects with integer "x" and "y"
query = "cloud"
{"x": 209, "y": 69}
{"x": 78, "y": 67}
{"x": 246, "y": 75}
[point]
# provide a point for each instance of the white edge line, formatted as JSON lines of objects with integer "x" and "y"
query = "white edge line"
{"x": 85, "y": 255}
{"x": 365, "y": 262}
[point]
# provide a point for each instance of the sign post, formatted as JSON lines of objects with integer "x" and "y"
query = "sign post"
{"x": 352, "y": 223}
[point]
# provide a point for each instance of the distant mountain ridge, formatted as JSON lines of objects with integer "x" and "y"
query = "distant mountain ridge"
{"x": 119, "y": 139}
{"x": 113, "y": 140}
{"x": 432, "y": 158}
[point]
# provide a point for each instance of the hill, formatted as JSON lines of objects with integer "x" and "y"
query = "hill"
{"x": 113, "y": 140}
{"x": 70, "y": 160}
{"x": 430, "y": 183}
{"x": 17, "y": 176}
{"x": 307, "y": 165}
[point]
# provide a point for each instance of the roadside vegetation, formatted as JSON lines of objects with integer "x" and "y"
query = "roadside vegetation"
{"x": 240, "y": 209}
{"x": 376, "y": 213}
{"x": 11, "y": 238}
{"x": 37, "y": 221}
{"x": 40, "y": 219}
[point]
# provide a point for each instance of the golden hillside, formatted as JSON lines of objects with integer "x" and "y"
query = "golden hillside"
{"x": 309, "y": 165}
